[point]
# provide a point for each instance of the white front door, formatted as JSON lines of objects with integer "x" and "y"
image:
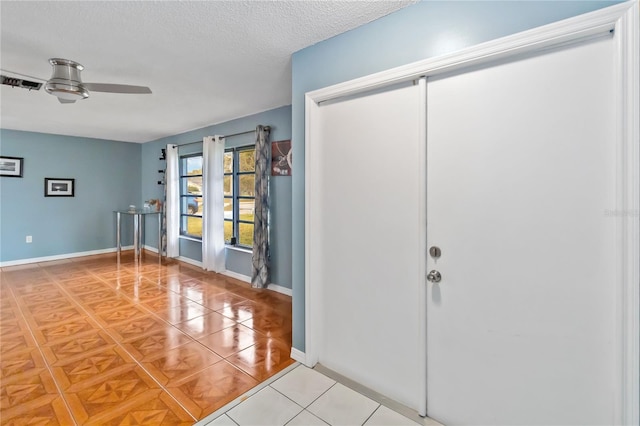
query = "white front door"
{"x": 365, "y": 210}
{"x": 521, "y": 173}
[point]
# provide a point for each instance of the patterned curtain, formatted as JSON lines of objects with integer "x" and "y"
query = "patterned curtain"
{"x": 261, "y": 257}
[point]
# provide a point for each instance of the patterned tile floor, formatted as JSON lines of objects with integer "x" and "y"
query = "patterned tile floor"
{"x": 95, "y": 341}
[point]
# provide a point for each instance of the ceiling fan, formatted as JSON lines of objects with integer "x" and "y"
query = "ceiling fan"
{"x": 65, "y": 83}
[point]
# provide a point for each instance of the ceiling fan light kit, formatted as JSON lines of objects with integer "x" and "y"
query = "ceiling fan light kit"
{"x": 65, "y": 82}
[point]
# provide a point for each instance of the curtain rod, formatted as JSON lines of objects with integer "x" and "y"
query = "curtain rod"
{"x": 267, "y": 128}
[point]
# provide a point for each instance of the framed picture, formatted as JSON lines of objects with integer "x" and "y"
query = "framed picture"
{"x": 11, "y": 166}
{"x": 56, "y": 187}
{"x": 281, "y": 158}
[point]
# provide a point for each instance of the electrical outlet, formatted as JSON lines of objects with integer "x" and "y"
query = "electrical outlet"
{"x": 29, "y": 239}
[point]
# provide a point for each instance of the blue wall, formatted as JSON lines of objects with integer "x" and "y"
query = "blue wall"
{"x": 107, "y": 177}
{"x": 280, "y": 190}
{"x": 420, "y": 31}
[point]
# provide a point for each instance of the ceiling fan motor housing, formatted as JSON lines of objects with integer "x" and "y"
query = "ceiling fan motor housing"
{"x": 65, "y": 82}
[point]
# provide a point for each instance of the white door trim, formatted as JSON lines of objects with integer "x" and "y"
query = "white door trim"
{"x": 623, "y": 20}
{"x": 422, "y": 228}
{"x": 628, "y": 338}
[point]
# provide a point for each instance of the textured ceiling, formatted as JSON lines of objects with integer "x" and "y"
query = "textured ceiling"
{"x": 206, "y": 62}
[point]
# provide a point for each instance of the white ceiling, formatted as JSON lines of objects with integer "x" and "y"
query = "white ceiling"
{"x": 205, "y": 61}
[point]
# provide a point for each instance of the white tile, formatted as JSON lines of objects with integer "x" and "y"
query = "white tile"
{"x": 267, "y": 407}
{"x": 223, "y": 420}
{"x": 306, "y": 419}
{"x": 303, "y": 385}
{"x": 343, "y": 406}
{"x": 386, "y": 417}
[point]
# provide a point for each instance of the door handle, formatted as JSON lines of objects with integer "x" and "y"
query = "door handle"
{"x": 434, "y": 276}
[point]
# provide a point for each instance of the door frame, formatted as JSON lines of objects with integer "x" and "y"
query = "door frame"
{"x": 623, "y": 20}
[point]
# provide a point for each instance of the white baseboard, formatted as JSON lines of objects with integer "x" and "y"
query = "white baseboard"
{"x": 247, "y": 279}
{"x": 299, "y": 356}
{"x": 237, "y": 276}
{"x": 189, "y": 261}
{"x": 61, "y": 256}
{"x": 150, "y": 248}
{"x": 280, "y": 289}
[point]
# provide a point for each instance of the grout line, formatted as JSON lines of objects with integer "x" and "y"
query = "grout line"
{"x": 311, "y": 414}
{"x": 298, "y": 413}
{"x": 229, "y": 417}
{"x": 371, "y": 415}
{"x": 319, "y": 396}
{"x": 303, "y": 408}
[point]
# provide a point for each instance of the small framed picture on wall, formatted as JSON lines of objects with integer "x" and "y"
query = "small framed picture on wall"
{"x": 57, "y": 187}
{"x": 281, "y": 158}
{"x": 11, "y": 166}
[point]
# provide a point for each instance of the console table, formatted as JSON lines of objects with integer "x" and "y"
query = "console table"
{"x": 138, "y": 230}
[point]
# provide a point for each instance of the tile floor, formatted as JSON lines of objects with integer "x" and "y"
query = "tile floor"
{"x": 305, "y": 397}
{"x": 93, "y": 341}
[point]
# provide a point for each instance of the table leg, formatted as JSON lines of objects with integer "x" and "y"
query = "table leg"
{"x": 159, "y": 237}
{"x": 118, "y": 246}
{"x": 142, "y": 229}
{"x": 136, "y": 234}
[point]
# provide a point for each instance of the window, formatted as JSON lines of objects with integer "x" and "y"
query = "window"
{"x": 239, "y": 195}
{"x": 191, "y": 195}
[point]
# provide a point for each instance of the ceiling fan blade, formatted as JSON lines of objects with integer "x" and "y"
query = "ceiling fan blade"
{"x": 65, "y": 101}
{"x": 116, "y": 88}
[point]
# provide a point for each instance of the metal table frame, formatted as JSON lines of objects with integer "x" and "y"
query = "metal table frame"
{"x": 138, "y": 231}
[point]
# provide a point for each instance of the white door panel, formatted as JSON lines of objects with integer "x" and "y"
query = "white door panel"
{"x": 366, "y": 214}
{"x": 520, "y": 171}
